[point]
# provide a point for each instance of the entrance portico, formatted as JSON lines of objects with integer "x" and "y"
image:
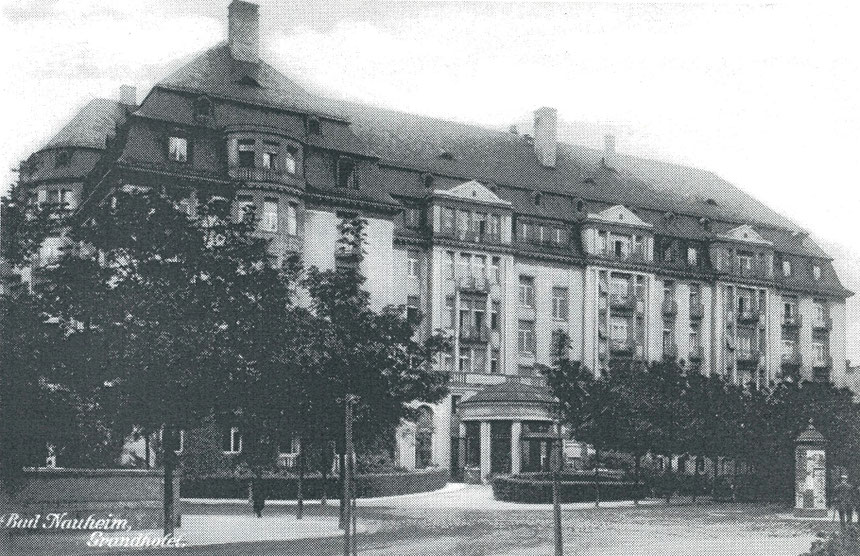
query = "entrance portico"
{"x": 508, "y": 428}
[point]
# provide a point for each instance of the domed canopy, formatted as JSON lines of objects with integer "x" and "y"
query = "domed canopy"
{"x": 510, "y": 401}
{"x": 810, "y": 436}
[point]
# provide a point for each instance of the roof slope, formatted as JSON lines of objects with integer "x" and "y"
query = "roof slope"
{"x": 90, "y": 126}
{"x": 512, "y": 392}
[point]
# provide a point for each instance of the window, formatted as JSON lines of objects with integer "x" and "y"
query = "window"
{"x": 620, "y": 286}
{"x": 618, "y": 248}
{"x": 819, "y": 351}
{"x": 480, "y": 266}
{"x": 314, "y": 125}
{"x": 527, "y": 337}
{"x": 745, "y": 262}
{"x": 447, "y": 219}
{"x": 412, "y": 308}
{"x": 176, "y": 443}
{"x": 412, "y": 217}
{"x": 63, "y": 158}
{"x": 816, "y": 272}
{"x": 455, "y": 402}
{"x": 290, "y": 160}
{"x": 347, "y": 173}
{"x": 465, "y": 361}
{"x": 603, "y": 243}
{"x": 494, "y": 360}
{"x": 448, "y": 361}
{"x": 66, "y": 200}
{"x": 246, "y": 153}
{"x": 177, "y": 148}
{"x": 788, "y": 346}
{"x": 479, "y": 360}
{"x": 412, "y": 263}
{"x": 694, "y": 337}
{"x": 292, "y": 221}
{"x": 245, "y": 207}
{"x": 524, "y": 231}
{"x": 786, "y": 268}
{"x": 202, "y": 108}
{"x": 692, "y": 256}
{"x": 231, "y": 441}
{"x": 449, "y": 261}
{"x": 494, "y": 315}
{"x": 559, "y": 303}
{"x": 449, "y": 307}
{"x": 480, "y": 224}
{"x": 619, "y": 330}
{"x": 270, "y": 215}
{"x": 465, "y": 265}
{"x": 462, "y": 223}
{"x": 527, "y": 291}
{"x": 495, "y": 271}
{"x": 495, "y": 225}
{"x": 465, "y": 314}
{"x": 270, "y": 155}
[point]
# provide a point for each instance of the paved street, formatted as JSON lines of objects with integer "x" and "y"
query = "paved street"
{"x": 465, "y": 521}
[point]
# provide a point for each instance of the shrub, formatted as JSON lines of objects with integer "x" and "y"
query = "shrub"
{"x": 530, "y": 489}
{"x": 845, "y": 543}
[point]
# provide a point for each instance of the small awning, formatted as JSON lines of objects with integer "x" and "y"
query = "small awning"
{"x": 510, "y": 401}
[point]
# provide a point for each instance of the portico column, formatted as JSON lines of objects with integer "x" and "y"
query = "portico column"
{"x": 485, "y": 450}
{"x": 516, "y": 451}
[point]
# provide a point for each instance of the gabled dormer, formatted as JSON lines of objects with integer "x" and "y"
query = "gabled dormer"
{"x": 471, "y": 212}
{"x": 745, "y": 234}
{"x": 743, "y": 252}
{"x": 617, "y": 233}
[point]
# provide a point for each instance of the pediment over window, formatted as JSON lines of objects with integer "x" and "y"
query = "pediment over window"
{"x": 745, "y": 233}
{"x": 619, "y": 214}
{"x": 474, "y": 192}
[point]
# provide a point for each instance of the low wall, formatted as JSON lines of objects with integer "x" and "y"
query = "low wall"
{"x": 135, "y": 495}
{"x": 285, "y": 487}
{"x": 538, "y": 490}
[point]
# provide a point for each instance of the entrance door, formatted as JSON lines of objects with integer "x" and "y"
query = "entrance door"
{"x": 500, "y": 447}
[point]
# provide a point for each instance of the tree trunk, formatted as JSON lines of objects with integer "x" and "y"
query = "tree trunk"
{"x": 716, "y": 476}
{"x": 169, "y": 466}
{"x": 300, "y": 494}
{"x": 637, "y": 471}
{"x": 596, "y": 477}
{"x": 669, "y": 485}
{"x": 696, "y": 478}
{"x": 734, "y": 479}
{"x": 146, "y": 445}
{"x": 342, "y": 473}
{"x": 326, "y": 463}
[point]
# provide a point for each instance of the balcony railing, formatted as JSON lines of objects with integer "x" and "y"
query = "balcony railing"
{"x": 636, "y": 255}
{"x": 670, "y": 307}
{"x": 260, "y": 175}
{"x": 622, "y": 347}
{"x": 825, "y": 323}
{"x": 697, "y": 353}
{"x": 748, "y": 357}
{"x": 749, "y": 316}
{"x": 825, "y": 363}
{"x": 792, "y": 359}
{"x": 475, "y": 236}
{"x": 697, "y": 310}
{"x": 474, "y": 284}
{"x": 622, "y": 302}
{"x": 792, "y": 321}
{"x": 474, "y": 334}
{"x": 477, "y": 378}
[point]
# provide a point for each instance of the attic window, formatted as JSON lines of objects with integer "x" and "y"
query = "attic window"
{"x": 712, "y": 202}
{"x": 314, "y": 125}
{"x": 202, "y": 108}
{"x": 445, "y": 155}
{"x": 63, "y": 158}
{"x": 177, "y": 149}
{"x": 428, "y": 180}
{"x": 816, "y": 272}
{"x": 538, "y": 198}
{"x": 347, "y": 173}
{"x": 580, "y": 205}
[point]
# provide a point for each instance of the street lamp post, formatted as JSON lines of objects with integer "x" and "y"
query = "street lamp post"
{"x": 348, "y": 490}
{"x": 556, "y": 500}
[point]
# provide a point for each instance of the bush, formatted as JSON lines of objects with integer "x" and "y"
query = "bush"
{"x": 838, "y": 544}
{"x": 538, "y": 490}
{"x": 285, "y": 487}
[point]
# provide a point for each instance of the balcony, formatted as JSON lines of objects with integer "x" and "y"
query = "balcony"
{"x": 474, "y": 334}
{"x": 477, "y": 378}
{"x": 635, "y": 256}
{"x": 622, "y": 348}
{"x": 749, "y": 316}
{"x": 697, "y": 311}
{"x": 824, "y": 324}
{"x": 347, "y": 255}
{"x": 292, "y": 244}
{"x": 474, "y": 284}
{"x": 748, "y": 358}
{"x": 792, "y": 360}
{"x": 697, "y": 353}
{"x": 265, "y": 175}
{"x": 670, "y": 307}
{"x": 823, "y": 363}
{"x": 622, "y": 302}
{"x": 670, "y": 352}
{"x": 474, "y": 236}
{"x": 792, "y": 321}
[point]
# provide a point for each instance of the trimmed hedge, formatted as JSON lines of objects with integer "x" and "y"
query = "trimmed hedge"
{"x": 285, "y": 487}
{"x": 526, "y": 489}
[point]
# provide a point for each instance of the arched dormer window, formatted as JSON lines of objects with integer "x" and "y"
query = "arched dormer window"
{"x": 203, "y": 109}
{"x": 428, "y": 180}
{"x": 314, "y": 126}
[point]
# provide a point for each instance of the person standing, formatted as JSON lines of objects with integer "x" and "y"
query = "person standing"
{"x": 844, "y": 497}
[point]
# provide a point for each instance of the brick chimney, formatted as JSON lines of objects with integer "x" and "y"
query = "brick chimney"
{"x": 609, "y": 157}
{"x": 546, "y": 142}
{"x": 128, "y": 95}
{"x": 244, "y": 31}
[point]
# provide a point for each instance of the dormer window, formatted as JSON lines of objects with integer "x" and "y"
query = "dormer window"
{"x": 290, "y": 160}
{"x": 202, "y": 108}
{"x": 692, "y": 256}
{"x": 63, "y": 158}
{"x": 246, "y": 153}
{"x": 816, "y": 272}
{"x": 177, "y": 149}
{"x": 786, "y": 268}
{"x": 347, "y": 174}
{"x": 314, "y": 126}
{"x": 270, "y": 155}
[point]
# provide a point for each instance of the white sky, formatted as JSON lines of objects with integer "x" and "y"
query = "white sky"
{"x": 765, "y": 95}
